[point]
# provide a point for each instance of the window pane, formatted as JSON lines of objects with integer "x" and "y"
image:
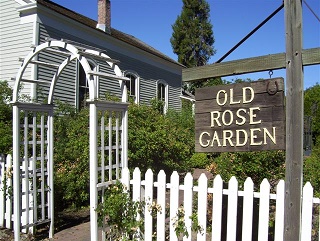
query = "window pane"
{"x": 131, "y": 85}
{"x": 161, "y": 92}
{"x": 83, "y": 88}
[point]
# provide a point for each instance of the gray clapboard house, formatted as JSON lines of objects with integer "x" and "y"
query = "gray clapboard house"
{"x": 27, "y": 23}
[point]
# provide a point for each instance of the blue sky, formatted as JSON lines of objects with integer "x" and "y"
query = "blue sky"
{"x": 151, "y": 21}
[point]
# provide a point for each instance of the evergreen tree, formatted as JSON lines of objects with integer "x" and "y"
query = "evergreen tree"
{"x": 192, "y": 38}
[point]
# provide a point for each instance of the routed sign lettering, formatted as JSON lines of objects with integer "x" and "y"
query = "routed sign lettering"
{"x": 246, "y": 116}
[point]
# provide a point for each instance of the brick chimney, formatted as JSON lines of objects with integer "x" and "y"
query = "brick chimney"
{"x": 104, "y": 15}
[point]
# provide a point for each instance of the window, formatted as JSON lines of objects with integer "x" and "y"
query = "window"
{"x": 162, "y": 94}
{"x": 133, "y": 86}
{"x": 82, "y": 89}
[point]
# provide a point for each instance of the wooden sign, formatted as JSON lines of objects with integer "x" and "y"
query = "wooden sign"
{"x": 246, "y": 116}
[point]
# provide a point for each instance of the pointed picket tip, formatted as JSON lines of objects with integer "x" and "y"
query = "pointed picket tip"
{"x": 188, "y": 180}
{"x": 265, "y": 183}
{"x": 218, "y": 178}
{"x": 280, "y": 187}
{"x": 161, "y": 172}
{"x": 188, "y": 176}
{"x": 308, "y": 186}
{"x": 281, "y": 182}
{"x": 136, "y": 171}
{"x": 149, "y": 172}
{"x": 175, "y": 174}
{"x": 233, "y": 179}
{"x": 248, "y": 183}
{"x": 203, "y": 177}
{"x": 248, "y": 180}
{"x": 218, "y": 183}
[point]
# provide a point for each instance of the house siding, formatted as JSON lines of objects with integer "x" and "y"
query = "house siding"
{"x": 149, "y": 74}
{"x": 17, "y": 34}
{"x": 15, "y": 41}
{"x": 66, "y": 85}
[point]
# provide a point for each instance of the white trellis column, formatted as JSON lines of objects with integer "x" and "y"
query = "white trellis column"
{"x": 16, "y": 171}
{"x": 93, "y": 172}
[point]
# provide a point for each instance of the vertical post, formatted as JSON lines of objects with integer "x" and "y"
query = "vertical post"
{"x": 294, "y": 120}
{"x": 51, "y": 165}
{"x": 16, "y": 171}
{"x": 124, "y": 135}
{"x": 93, "y": 172}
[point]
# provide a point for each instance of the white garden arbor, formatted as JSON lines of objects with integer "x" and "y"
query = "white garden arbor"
{"x": 33, "y": 136}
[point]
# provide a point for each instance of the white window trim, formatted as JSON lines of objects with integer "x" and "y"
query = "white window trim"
{"x": 96, "y": 79}
{"x": 166, "y": 97}
{"x": 137, "y": 86}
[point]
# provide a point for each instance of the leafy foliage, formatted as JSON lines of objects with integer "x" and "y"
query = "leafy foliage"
{"x": 120, "y": 213}
{"x": 159, "y": 141}
{"x": 257, "y": 165}
{"x": 156, "y": 141}
{"x": 312, "y": 108}
{"x": 71, "y": 155}
{"x": 311, "y": 169}
{"x": 5, "y": 118}
{"x": 192, "y": 37}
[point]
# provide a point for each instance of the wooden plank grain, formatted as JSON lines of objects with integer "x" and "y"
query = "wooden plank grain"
{"x": 260, "y": 100}
{"x": 294, "y": 120}
{"x": 260, "y": 86}
{"x": 248, "y": 65}
{"x": 267, "y": 114}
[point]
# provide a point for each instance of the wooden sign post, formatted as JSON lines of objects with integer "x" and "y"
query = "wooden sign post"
{"x": 293, "y": 60}
{"x": 294, "y": 120}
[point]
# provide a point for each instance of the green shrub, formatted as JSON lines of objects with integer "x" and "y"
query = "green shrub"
{"x": 5, "y": 118}
{"x": 311, "y": 169}
{"x": 120, "y": 213}
{"x": 200, "y": 160}
{"x": 257, "y": 165}
{"x": 71, "y": 156}
{"x": 157, "y": 141}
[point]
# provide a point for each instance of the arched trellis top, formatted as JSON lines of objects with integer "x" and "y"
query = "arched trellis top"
{"x": 70, "y": 51}
{"x": 113, "y": 133}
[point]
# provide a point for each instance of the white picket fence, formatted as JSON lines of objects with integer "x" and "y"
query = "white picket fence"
{"x": 6, "y": 207}
{"x": 233, "y": 214}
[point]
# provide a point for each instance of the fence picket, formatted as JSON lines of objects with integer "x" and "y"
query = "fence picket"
{"x": 136, "y": 185}
{"x": 306, "y": 217}
{"x": 161, "y": 218}
{"x": 232, "y": 209}
{"x": 279, "y": 219}
{"x": 148, "y": 222}
{"x": 217, "y": 208}
{"x": 125, "y": 177}
{"x": 174, "y": 203}
{"x": 9, "y": 198}
{"x": 247, "y": 210}
{"x": 136, "y": 189}
{"x": 202, "y": 207}
{"x": 264, "y": 211}
{"x": 188, "y": 198}
{"x": 2, "y": 197}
